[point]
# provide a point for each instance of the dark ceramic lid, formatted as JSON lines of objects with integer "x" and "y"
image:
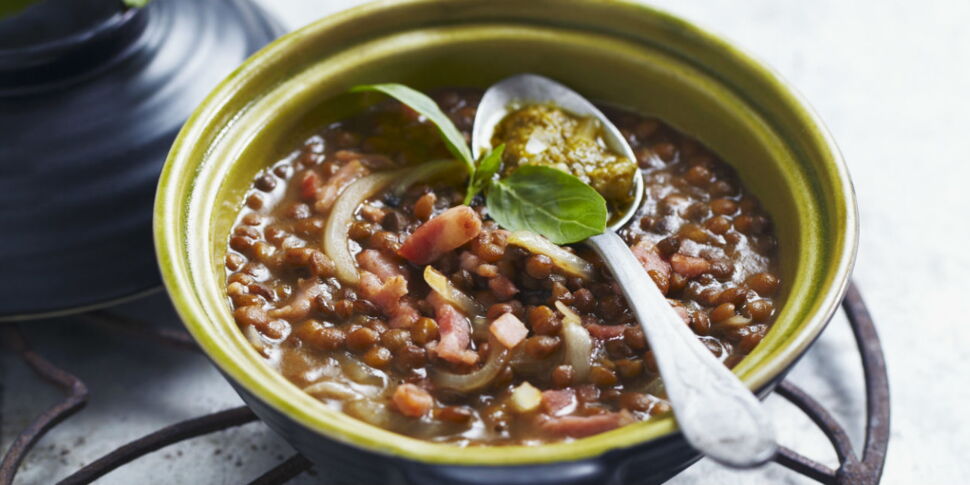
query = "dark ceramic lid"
{"x": 90, "y": 100}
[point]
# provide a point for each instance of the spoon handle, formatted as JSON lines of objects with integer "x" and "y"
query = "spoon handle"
{"x": 717, "y": 414}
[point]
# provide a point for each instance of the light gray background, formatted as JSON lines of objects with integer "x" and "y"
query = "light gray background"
{"x": 888, "y": 77}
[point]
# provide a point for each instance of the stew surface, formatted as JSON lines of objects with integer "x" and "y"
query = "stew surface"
{"x": 449, "y": 328}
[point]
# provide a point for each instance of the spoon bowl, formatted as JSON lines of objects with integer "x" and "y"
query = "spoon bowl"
{"x": 717, "y": 414}
{"x": 530, "y": 89}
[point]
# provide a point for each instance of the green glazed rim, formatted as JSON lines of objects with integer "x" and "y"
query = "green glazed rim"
{"x": 784, "y": 155}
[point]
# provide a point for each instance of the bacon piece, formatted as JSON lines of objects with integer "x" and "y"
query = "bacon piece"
{"x": 310, "y": 185}
{"x": 689, "y": 266}
{"x": 508, "y": 330}
{"x": 582, "y": 426}
{"x": 473, "y": 264}
{"x": 588, "y": 393}
{"x": 681, "y": 310}
{"x": 652, "y": 262}
{"x": 300, "y": 304}
{"x": 412, "y": 401}
{"x": 441, "y": 234}
{"x": 327, "y": 194}
{"x": 385, "y": 283}
{"x": 380, "y": 264}
{"x": 455, "y": 331}
{"x": 559, "y": 402}
{"x": 388, "y": 296}
{"x": 502, "y": 287}
{"x": 605, "y": 332}
{"x": 390, "y": 291}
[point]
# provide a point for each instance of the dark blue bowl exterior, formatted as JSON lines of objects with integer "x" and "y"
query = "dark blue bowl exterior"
{"x": 651, "y": 463}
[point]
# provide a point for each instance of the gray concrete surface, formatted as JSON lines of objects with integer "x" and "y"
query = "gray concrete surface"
{"x": 888, "y": 77}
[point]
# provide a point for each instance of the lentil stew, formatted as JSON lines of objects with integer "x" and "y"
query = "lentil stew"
{"x": 452, "y": 329}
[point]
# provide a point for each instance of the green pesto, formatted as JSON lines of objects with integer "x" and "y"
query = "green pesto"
{"x": 549, "y": 136}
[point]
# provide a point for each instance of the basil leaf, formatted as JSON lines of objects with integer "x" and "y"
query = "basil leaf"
{"x": 426, "y": 106}
{"x": 136, "y": 3}
{"x": 487, "y": 167}
{"x": 549, "y": 202}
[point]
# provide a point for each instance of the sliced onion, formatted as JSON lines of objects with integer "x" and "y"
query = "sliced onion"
{"x": 443, "y": 286}
{"x": 335, "y": 238}
{"x": 426, "y": 171}
{"x": 480, "y": 327}
{"x": 563, "y": 259}
{"x": 255, "y": 339}
{"x": 736, "y": 321}
{"x": 656, "y": 388}
{"x": 360, "y": 372}
{"x": 569, "y": 317}
{"x": 370, "y": 412}
{"x": 331, "y": 390}
{"x": 577, "y": 343}
{"x": 498, "y": 356}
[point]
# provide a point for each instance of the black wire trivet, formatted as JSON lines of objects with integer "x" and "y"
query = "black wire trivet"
{"x": 854, "y": 470}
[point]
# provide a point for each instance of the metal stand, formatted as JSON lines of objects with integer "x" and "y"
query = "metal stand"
{"x": 852, "y": 470}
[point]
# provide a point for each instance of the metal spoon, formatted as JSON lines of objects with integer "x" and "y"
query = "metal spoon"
{"x": 717, "y": 414}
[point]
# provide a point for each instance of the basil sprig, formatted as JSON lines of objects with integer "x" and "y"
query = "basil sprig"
{"x": 544, "y": 200}
{"x": 487, "y": 168}
{"x": 547, "y": 201}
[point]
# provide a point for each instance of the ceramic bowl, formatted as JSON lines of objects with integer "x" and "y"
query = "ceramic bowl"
{"x": 613, "y": 52}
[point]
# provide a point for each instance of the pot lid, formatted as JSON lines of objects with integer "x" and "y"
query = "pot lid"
{"x": 92, "y": 95}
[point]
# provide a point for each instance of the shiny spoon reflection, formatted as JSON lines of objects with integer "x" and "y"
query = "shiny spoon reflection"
{"x": 717, "y": 414}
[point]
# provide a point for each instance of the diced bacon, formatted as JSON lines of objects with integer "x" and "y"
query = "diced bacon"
{"x": 310, "y": 185}
{"x": 455, "y": 331}
{"x": 587, "y": 393}
{"x": 582, "y": 426}
{"x": 650, "y": 258}
{"x": 681, "y": 311}
{"x": 473, "y": 264}
{"x": 384, "y": 282}
{"x": 300, "y": 303}
{"x": 558, "y": 402}
{"x": 405, "y": 316}
{"x": 443, "y": 233}
{"x": 380, "y": 264}
{"x": 605, "y": 332}
{"x": 412, "y": 401}
{"x": 388, "y": 296}
{"x": 337, "y": 182}
{"x": 689, "y": 266}
{"x": 508, "y": 330}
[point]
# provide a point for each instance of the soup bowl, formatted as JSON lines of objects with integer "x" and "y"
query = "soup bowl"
{"x": 614, "y": 52}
